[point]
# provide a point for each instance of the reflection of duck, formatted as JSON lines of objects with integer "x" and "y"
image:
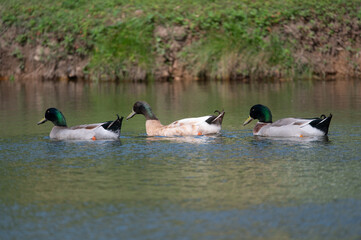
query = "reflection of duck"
{"x": 186, "y": 139}
{"x": 287, "y": 127}
{"x": 105, "y": 130}
{"x": 296, "y": 140}
{"x": 188, "y": 126}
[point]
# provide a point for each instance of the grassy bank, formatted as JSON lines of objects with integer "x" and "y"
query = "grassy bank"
{"x": 172, "y": 39}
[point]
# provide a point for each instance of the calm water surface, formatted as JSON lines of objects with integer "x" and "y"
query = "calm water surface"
{"x": 229, "y": 186}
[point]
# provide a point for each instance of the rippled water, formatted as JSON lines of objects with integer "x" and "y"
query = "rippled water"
{"x": 229, "y": 186}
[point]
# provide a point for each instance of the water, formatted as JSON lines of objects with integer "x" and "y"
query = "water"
{"x": 230, "y": 186}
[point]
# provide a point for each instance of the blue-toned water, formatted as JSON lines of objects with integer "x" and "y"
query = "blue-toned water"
{"x": 229, "y": 186}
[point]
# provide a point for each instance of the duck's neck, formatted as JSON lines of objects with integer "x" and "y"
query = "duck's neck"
{"x": 60, "y": 121}
{"x": 153, "y": 124}
{"x": 148, "y": 114}
{"x": 153, "y": 127}
{"x": 266, "y": 118}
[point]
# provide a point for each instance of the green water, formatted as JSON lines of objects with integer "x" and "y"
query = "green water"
{"x": 229, "y": 186}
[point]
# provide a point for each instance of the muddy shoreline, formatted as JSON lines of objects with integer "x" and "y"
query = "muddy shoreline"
{"x": 329, "y": 56}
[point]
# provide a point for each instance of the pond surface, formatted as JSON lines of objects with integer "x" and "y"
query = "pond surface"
{"x": 229, "y": 186}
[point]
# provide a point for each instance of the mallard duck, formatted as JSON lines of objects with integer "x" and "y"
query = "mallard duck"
{"x": 188, "y": 126}
{"x": 286, "y": 127}
{"x": 96, "y": 131}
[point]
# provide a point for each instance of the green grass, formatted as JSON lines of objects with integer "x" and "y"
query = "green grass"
{"x": 234, "y": 38}
{"x": 123, "y": 46}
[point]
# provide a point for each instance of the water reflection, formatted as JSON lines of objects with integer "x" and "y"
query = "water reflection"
{"x": 284, "y": 98}
{"x": 291, "y": 140}
{"x": 189, "y": 139}
{"x": 183, "y": 183}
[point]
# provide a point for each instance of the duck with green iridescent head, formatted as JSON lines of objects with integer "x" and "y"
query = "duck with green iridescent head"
{"x": 205, "y": 125}
{"x": 109, "y": 130}
{"x": 286, "y": 127}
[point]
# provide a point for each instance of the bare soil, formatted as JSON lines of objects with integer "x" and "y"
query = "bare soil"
{"x": 330, "y": 52}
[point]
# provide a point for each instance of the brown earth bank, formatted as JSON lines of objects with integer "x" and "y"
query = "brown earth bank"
{"x": 331, "y": 52}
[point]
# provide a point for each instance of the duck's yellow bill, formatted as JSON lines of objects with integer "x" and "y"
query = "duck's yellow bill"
{"x": 131, "y": 115}
{"x": 42, "y": 121}
{"x": 249, "y": 119}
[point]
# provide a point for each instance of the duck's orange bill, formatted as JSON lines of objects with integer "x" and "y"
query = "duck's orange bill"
{"x": 94, "y": 138}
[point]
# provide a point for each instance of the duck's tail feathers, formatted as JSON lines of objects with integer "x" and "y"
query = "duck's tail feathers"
{"x": 216, "y": 119}
{"x": 322, "y": 123}
{"x": 114, "y": 126}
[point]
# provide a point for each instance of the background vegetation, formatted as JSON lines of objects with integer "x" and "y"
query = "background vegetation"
{"x": 217, "y": 38}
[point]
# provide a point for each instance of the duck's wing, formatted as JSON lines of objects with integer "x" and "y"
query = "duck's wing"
{"x": 210, "y": 119}
{"x": 291, "y": 121}
{"x": 189, "y": 121}
{"x": 113, "y": 126}
{"x": 92, "y": 126}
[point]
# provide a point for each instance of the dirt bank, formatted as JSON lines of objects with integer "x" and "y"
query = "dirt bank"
{"x": 330, "y": 50}
{"x": 327, "y": 52}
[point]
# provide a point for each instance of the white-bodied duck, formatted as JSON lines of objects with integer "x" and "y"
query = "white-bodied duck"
{"x": 286, "y": 127}
{"x": 184, "y": 127}
{"x": 96, "y": 131}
